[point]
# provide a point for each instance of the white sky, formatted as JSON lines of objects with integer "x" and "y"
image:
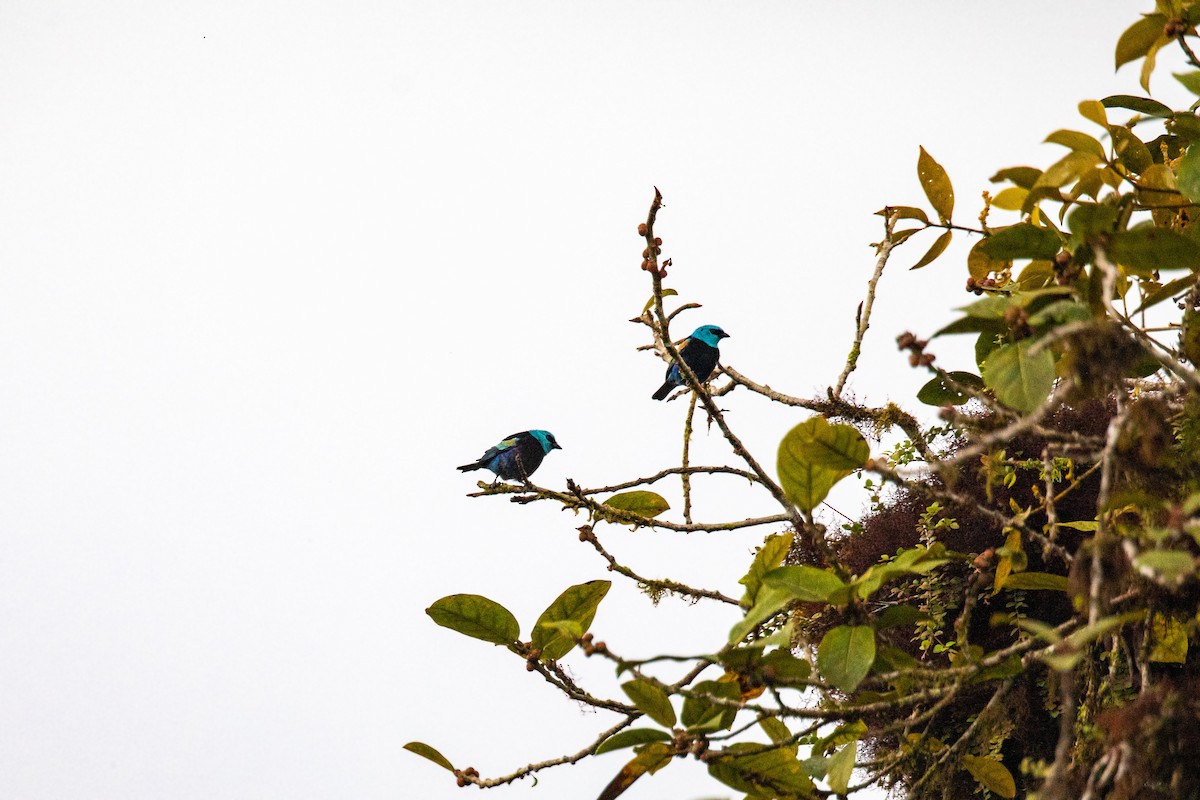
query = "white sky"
{"x": 269, "y": 271}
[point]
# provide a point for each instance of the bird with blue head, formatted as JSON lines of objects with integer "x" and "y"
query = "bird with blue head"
{"x": 517, "y": 456}
{"x": 699, "y": 351}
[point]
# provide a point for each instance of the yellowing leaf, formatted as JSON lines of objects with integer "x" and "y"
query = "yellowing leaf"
{"x": 936, "y": 249}
{"x": 936, "y": 184}
{"x": 1033, "y": 581}
{"x": 1010, "y": 198}
{"x": 1093, "y": 110}
{"x": 1139, "y": 37}
{"x": 991, "y": 775}
{"x": 1169, "y": 636}
{"x": 425, "y": 751}
{"x": 1068, "y": 168}
{"x": 640, "y": 502}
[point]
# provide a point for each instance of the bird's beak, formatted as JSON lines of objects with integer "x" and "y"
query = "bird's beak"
{"x": 723, "y": 335}
{"x": 556, "y": 446}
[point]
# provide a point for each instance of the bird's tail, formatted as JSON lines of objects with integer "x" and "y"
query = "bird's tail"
{"x": 663, "y": 390}
{"x": 469, "y": 467}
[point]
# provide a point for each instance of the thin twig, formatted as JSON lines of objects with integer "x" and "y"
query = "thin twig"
{"x": 685, "y": 476}
{"x": 586, "y": 534}
{"x": 553, "y": 762}
{"x": 884, "y": 250}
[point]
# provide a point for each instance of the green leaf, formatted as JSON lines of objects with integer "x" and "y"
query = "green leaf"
{"x": 841, "y": 765}
{"x": 1185, "y": 130}
{"x": 939, "y": 393}
{"x": 991, "y": 775}
{"x": 1075, "y": 140}
{"x": 767, "y": 604}
{"x": 802, "y": 582}
{"x": 1023, "y": 240}
{"x": 1021, "y": 380}
{"x": 768, "y": 557}
{"x": 640, "y": 502}
{"x": 1190, "y": 80}
{"x": 785, "y": 668}
{"x": 845, "y": 655}
{"x": 815, "y": 455}
{"x": 918, "y": 560}
{"x": 578, "y": 605}
{"x": 1025, "y": 177}
{"x": 477, "y": 617}
{"x": 425, "y": 751}
{"x": 1010, "y": 667}
{"x": 1171, "y": 566}
{"x": 701, "y": 714}
{"x": 1131, "y": 150}
{"x": 842, "y": 734}
{"x": 1037, "y": 274}
{"x": 651, "y": 700}
{"x": 971, "y": 324}
{"x": 936, "y": 249}
{"x": 631, "y": 737}
{"x": 775, "y": 729}
{"x": 1034, "y": 581}
{"x": 1138, "y": 38}
{"x": 762, "y": 771}
{"x": 1148, "y": 249}
{"x": 1059, "y": 312}
{"x": 1086, "y": 221}
{"x": 1069, "y": 168}
{"x": 991, "y": 309}
{"x": 1142, "y": 105}
{"x": 1187, "y": 175}
{"x": 893, "y": 659}
{"x": 1081, "y": 525}
{"x": 898, "y": 616}
{"x": 936, "y": 184}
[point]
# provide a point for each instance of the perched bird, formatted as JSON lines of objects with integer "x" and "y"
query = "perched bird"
{"x": 699, "y": 351}
{"x": 518, "y": 456}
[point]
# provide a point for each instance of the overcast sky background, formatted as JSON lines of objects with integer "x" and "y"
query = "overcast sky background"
{"x": 269, "y": 271}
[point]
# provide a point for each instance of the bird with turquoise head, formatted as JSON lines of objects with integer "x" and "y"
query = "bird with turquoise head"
{"x": 699, "y": 351}
{"x": 516, "y": 457}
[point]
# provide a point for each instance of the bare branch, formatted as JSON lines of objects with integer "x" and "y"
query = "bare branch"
{"x": 884, "y": 250}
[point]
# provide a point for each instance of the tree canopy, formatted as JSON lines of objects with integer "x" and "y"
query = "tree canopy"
{"x": 1013, "y": 615}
